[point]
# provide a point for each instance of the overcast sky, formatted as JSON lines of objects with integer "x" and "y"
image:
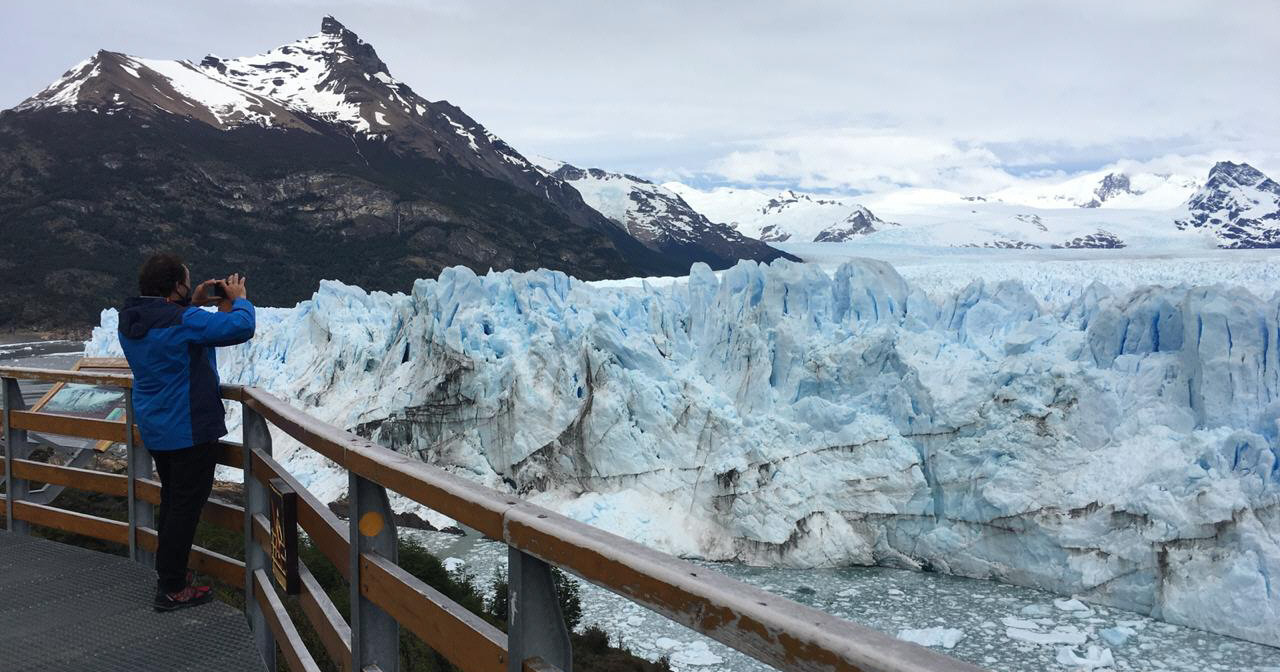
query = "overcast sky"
{"x": 844, "y": 96}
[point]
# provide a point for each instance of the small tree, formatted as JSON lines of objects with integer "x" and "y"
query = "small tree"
{"x": 568, "y": 594}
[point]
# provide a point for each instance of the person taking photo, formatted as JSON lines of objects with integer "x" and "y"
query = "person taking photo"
{"x": 169, "y": 340}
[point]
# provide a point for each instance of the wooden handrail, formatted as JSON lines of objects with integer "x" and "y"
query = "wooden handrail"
{"x": 291, "y": 644}
{"x": 765, "y": 626}
{"x": 465, "y": 639}
{"x": 74, "y": 477}
{"x": 326, "y": 620}
{"x": 68, "y": 425}
{"x": 70, "y": 521}
{"x": 122, "y": 380}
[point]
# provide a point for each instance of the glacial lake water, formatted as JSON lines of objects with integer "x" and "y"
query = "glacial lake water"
{"x": 892, "y": 600}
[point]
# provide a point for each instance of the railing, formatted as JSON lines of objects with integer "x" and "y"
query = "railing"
{"x": 385, "y": 597}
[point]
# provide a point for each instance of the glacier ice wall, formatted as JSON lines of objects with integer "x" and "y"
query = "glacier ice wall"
{"x": 1123, "y": 448}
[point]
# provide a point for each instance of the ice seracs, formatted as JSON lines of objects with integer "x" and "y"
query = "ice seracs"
{"x": 1119, "y": 447}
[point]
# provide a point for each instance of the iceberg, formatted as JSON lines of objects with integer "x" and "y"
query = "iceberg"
{"x": 1118, "y": 447}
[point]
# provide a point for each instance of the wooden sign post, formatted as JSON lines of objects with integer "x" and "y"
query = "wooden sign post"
{"x": 284, "y": 536}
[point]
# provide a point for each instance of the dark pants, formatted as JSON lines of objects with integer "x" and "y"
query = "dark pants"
{"x": 187, "y": 479}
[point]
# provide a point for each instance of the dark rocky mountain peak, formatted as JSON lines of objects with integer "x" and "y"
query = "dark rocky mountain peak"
{"x": 660, "y": 218}
{"x": 860, "y": 222}
{"x": 304, "y": 162}
{"x": 1239, "y": 204}
{"x": 1226, "y": 175}
{"x": 1112, "y": 185}
{"x": 790, "y": 198}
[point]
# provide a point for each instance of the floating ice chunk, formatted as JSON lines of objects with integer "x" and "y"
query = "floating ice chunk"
{"x": 1070, "y": 605}
{"x": 1036, "y": 610}
{"x": 1117, "y": 636}
{"x": 453, "y": 564}
{"x": 1094, "y": 657}
{"x": 666, "y": 643}
{"x": 939, "y": 636}
{"x": 895, "y": 592}
{"x": 848, "y": 592}
{"x": 1072, "y": 637}
{"x": 696, "y": 654}
{"x": 1014, "y": 622}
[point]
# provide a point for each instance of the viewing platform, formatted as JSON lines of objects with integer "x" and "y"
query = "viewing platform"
{"x": 66, "y": 608}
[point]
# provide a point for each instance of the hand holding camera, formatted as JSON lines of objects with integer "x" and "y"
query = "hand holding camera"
{"x": 220, "y": 292}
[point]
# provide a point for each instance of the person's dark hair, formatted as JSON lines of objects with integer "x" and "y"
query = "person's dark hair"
{"x": 161, "y": 274}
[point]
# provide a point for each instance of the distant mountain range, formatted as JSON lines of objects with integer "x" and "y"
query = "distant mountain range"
{"x": 309, "y": 161}
{"x": 788, "y": 216}
{"x": 1236, "y": 206}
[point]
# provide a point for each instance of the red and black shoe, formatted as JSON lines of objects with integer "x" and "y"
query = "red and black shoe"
{"x": 191, "y": 596}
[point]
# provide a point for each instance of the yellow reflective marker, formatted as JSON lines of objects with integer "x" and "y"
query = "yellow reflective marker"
{"x": 371, "y": 524}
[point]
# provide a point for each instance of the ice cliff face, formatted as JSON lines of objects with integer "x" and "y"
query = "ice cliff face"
{"x": 1123, "y": 448}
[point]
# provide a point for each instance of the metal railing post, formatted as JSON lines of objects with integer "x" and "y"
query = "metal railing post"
{"x": 535, "y": 626}
{"x": 141, "y": 514}
{"x": 256, "y": 437}
{"x": 375, "y": 635}
{"x": 15, "y": 448}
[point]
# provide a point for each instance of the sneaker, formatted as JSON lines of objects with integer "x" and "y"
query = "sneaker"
{"x": 190, "y": 596}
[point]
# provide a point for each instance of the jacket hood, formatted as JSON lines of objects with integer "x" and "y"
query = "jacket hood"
{"x": 141, "y": 314}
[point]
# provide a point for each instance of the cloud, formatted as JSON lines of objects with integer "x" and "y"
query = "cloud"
{"x": 819, "y": 94}
{"x": 862, "y": 161}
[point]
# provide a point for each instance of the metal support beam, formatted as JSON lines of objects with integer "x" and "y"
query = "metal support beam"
{"x": 535, "y": 626}
{"x": 256, "y": 500}
{"x": 15, "y": 448}
{"x": 375, "y": 635}
{"x": 141, "y": 514}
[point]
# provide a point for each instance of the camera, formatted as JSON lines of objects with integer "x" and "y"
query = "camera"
{"x": 216, "y": 291}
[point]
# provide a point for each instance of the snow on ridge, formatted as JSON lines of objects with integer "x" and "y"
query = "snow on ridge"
{"x": 295, "y": 74}
{"x": 227, "y": 103}
{"x": 65, "y": 91}
{"x": 783, "y": 415}
{"x": 788, "y": 215}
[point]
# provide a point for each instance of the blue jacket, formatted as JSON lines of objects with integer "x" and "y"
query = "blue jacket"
{"x": 176, "y": 402}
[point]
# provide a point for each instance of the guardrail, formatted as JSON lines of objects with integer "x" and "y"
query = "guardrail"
{"x": 384, "y": 597}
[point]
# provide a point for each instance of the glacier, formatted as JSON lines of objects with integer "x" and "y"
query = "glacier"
{"x": 1121, "y": 447}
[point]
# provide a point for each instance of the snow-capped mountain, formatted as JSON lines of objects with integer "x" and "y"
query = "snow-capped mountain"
{"x": 1120, "y": 444}
{"x": 1239, "y": 204}
{"x": 332, "y": 77}
{"x": 1108, "y": 188}
{"x": 310, "y": 153}
{"x": 656, "y": 216}
{"x": 788, "y": 216}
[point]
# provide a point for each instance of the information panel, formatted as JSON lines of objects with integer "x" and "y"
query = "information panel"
{"x": 284, "y": 536}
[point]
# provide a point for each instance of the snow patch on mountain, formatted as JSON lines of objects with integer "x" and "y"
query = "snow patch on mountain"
{"x": 1238, "y": 204}
{"x": 1122, "y": 447}
{"x": 652, "y": 214}
{"x": 786, "y": 216}
{"x": 1112, "y": 187}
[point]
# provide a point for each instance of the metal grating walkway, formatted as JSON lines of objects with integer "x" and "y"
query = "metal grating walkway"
{"x": 68, "y": 608}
